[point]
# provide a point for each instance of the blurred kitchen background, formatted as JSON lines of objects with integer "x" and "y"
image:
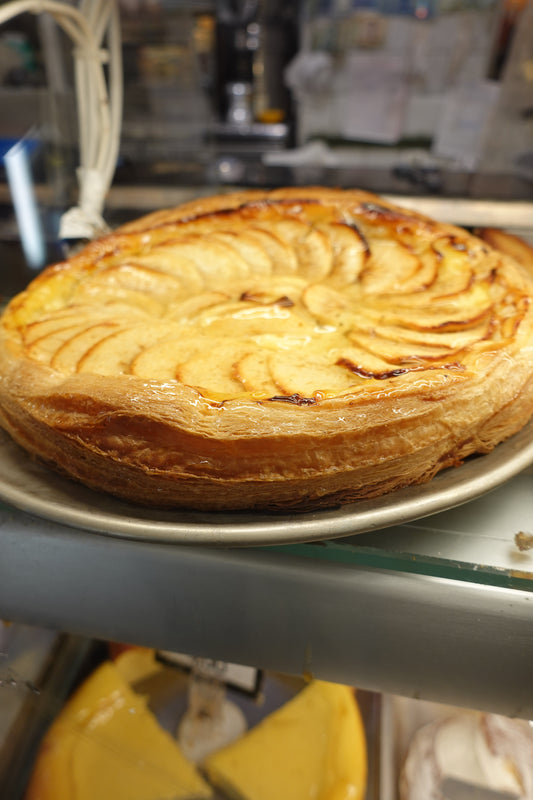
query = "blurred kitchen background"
{"x": 409, "y": 97}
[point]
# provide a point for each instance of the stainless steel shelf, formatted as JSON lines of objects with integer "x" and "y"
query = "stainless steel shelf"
{"x": 440, "y": 609}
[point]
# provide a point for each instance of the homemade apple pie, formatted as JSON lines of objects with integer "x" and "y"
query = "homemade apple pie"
{"x": 291, "y": 349}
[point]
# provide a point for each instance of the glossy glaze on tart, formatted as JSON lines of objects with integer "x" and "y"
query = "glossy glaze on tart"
{"x": 292, "y": 349}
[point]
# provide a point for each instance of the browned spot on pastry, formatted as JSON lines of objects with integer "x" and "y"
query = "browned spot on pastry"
{"x": 294, "y": 399}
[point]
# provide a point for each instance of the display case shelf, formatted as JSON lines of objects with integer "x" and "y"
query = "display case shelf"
{"x": 440, "y": 608}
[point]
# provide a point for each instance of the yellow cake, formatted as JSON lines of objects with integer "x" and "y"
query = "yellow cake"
{"x": 312, "y": 748}
{"x": 107, "y": 745}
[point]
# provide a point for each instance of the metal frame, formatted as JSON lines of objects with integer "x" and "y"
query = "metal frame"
{"x": 440, "y": 639}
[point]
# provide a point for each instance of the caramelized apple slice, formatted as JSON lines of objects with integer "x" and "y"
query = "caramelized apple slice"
{"x": 328, "y": 306}
{"x": 192, "y": 306}
{"x": 114, "y": 354}
{"x": 293, "y": 374}
{"x": 349, "y": 252}
{"x": 69, "y": 353}
{"x": 142, "y": 278}
{"x": 98, "y": 294}
{"x": 253, "y": 373}
{"x": 216, "y": 262}
{"x": 282, "y": 289}
{"x": 170, "y": 258}
{"x": 248, "y": 248}
{"x": 420, "y": 340}
{"x": 160, "y": 361}
{"x": 312, "y": 247}
{"x": 280, "y": 253}
{"x": 389, "y": 267}
{"x": 394, "y": 351}
{"x": 45, "y": 347}
{"x": 39, "y": 330}
{"x": 362, "y": 363}
{"x": 213, "y": 372}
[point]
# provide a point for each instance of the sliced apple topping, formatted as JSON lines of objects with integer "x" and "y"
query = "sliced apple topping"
{"x": 45, "y": 347}
{"x": 194, "y": 305}
{"x": 328, "y": 306}
{"x": 349, "y": 252}
{"x": 160, "y": 361}
{"x": 100, "y": 294}
{"x": 274, "y": 299}
{"x": 280, "y": 289}
{"x": 51, "y": 325}
{"x": 390, "y": 268}
{"x": 115, "y": 353}
{"x": 214, "y": 260}
{"x": 312, "y": 247}
{"x": 280, "y": 252}
{"x": 248, "y": 248}
{"x": 253, "y": 373}
{"x": 141, "y": 278}
{"x": 68, "y": 355}
{"x": 307, "y": 378}
{"x": 171, "y": 260}
{"x": 213, "y": 371}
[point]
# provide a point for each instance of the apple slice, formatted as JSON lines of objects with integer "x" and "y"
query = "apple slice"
{"x": 169, "y": 258}
{"x": 312, "y": 247}
{"x": 212, "y": 369}
{"x": 281, "y": 289}
{"x": 389, "y": 267}
{"x": 253, "y": 372}
{"x": 114, "y": 354}
{"x": 441, "y": 340}
{"x": 350, "y": 252}
{"x": 96, "y": 293}
{"x": 248, "y": 248}
{"x": 280, "y": 253}
{"x": 39, "y": 330}
{"x": 71, "y": 352}
{"x": 455, "y": 274}
{"x": 306, "y": 377}
{"x": 192, "y": 306}
{"x": 45, "y": 347}
{"x": 329, "y": 307}
{"x": 78, "y": 315}
{"x": 215, "y": 261}
{"x": 160, "y": 360}
{"x": 140, "y": 278}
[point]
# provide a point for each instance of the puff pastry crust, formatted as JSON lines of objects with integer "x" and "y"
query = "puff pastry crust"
{"x": 291, "y": 349}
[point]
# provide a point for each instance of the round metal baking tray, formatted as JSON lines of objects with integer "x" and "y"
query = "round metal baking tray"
{"x": 33, "y": 488}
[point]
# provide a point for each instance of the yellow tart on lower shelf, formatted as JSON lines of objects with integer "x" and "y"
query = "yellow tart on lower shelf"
{"x": 312, "y": 748}
{"x": 107, "y": 745}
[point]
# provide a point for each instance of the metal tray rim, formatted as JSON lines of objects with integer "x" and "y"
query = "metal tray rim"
{"x": 33, "y": 488}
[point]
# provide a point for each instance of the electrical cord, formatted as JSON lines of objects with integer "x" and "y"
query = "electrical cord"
{"x": 99, "y": 97}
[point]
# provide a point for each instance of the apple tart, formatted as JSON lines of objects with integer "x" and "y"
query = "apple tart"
{"x": 288, "y": 349}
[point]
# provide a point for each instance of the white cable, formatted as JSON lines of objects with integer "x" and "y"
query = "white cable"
{"x": 99, "y": 106}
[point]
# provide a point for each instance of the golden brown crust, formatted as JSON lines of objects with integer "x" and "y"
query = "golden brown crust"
{"x": 510, "y": 244}
{"x": 269, "y": 350}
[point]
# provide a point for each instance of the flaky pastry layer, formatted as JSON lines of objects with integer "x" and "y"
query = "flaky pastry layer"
{"x": 292, "y": 349}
